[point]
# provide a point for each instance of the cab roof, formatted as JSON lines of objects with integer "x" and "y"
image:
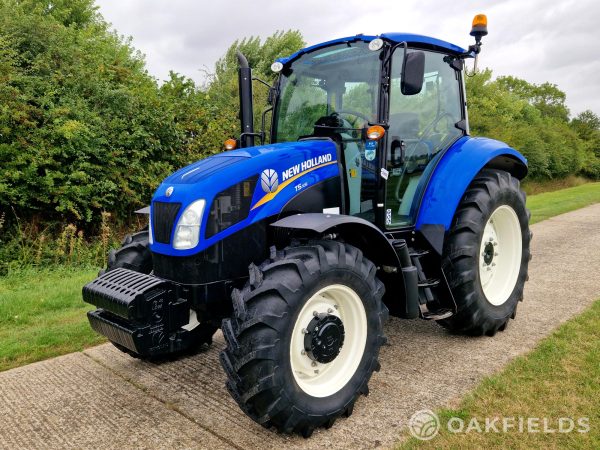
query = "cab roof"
{"x": 418, "y": 39}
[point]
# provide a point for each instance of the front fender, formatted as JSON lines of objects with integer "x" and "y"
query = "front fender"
{"x": 356, "y": 231}
{"x": 455, "y": 171}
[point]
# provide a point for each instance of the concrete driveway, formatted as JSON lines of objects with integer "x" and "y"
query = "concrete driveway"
{"x": 103, "y": 398}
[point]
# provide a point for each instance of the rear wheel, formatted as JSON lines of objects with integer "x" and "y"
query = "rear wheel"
{"x": 305, "y": 336}
{"x": 134, "y": 254}
{"x": 486, "y": 254}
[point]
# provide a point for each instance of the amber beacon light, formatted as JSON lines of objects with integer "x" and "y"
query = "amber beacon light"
{"x": 230, "y": 144}
{"x": 479, "y": 26}
{"x": 375, "y": 132}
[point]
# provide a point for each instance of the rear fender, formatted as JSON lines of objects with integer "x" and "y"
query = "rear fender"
{"x": 456, "y": 170}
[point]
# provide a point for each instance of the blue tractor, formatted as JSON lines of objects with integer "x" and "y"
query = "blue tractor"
{"x": 370, "y": 199}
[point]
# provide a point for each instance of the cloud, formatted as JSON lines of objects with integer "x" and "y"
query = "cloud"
{"x": 535, "y": 40}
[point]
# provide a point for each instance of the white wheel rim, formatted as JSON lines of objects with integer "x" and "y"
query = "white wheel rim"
{"x": 318, "y": 379}
{"x": 500, "y": 255}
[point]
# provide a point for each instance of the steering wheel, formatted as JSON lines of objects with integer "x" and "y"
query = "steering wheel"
{"x": 354, "y": 113}
{"x": 427, "y": 134}
{"x": 427, "y": 131}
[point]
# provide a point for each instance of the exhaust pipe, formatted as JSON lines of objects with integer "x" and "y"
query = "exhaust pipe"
{"x": 246, "y": 110}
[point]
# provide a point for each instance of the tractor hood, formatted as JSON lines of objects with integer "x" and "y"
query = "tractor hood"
{"x": 269, "y": 176}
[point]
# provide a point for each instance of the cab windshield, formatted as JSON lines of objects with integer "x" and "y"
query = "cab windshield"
{"x": 333, "y": 92}
{"x": 336, "y": 86}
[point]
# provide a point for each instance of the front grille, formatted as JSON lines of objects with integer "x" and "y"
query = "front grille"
{"x": 163, "y": 219}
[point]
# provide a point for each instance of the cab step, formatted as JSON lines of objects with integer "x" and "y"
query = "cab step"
{"x": 429, "y": 283}
{"x": 440, "y": 314}
{"x": 417, "y": 253}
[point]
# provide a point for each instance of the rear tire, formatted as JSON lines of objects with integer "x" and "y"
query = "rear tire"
{"x": 271, "y": 375}
{"x": 134, "y": 254}
{"x": 486, "y": 254}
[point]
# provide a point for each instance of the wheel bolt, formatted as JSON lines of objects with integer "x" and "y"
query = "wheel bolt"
{"x": 314, "y": 364}
{"x": 303, "y": 352}
{"x": 495, "y": 253}
{"x": 315, "y": 313}
{"x": 493, "y": 264}
{"x": 329, "y": 310}
{"x": 495, "y": 243}
{"x": 304, "y": 331}
{"x": 335, "y": 306}
{"x": 489, "y": 268}
{"x": 316, "y": 370}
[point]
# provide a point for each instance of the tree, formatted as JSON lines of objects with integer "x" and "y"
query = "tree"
{"x": 223, "y": 88}
{"x": 83, "y": 127}
{"x": 546, "y": 97}
{"x": 531, "y": 118}
{"x": 587, "y": 124}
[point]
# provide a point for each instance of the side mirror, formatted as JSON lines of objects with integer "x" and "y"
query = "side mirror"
{"x": 413, "y": 73}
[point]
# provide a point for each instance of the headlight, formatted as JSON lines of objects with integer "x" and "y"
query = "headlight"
{"x": 150, "y": 238}
{"x": 187, "y": 232}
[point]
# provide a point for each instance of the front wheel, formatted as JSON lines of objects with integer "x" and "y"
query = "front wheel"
{"x": 305, "y": 336}
{"x": 486, "y": 254}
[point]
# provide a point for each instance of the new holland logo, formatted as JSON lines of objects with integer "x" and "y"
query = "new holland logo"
{"x": 269, "y": 180}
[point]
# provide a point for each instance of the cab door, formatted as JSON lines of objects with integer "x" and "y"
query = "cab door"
{"x": 420, "y": 127}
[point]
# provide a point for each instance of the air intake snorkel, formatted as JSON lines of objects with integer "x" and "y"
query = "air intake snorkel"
{"x": 246, "y": 110}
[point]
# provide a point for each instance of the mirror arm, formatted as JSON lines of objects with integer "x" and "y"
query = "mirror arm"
{"x": 272, "y": 89}
{"x": 392, "y": 49}
{"x": 404, "y": 58}
{"x": 262, "y": 82}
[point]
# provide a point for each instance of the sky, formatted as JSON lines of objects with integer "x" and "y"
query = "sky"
{"x": 537, "y": 40}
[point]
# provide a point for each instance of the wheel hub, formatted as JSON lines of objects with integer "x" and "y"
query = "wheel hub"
{"x": 324, "y": 338}
{"x": 488, "y": 253}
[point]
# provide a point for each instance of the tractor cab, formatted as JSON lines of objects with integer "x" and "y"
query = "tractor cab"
{"x": 391, "y": 103}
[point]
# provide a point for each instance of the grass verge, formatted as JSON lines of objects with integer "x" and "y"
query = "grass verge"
{"x": 538, "y": 187}
{"x": 42, "y": 315}
{"x": 560, "y": 378}
{"x": 550, "y": 204}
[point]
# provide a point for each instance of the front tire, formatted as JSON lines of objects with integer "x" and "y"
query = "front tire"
{"x": 486, "y": 254}
{"x": 305, "y": 336}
